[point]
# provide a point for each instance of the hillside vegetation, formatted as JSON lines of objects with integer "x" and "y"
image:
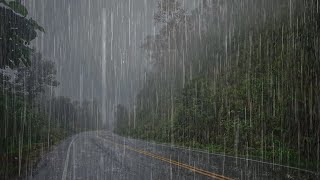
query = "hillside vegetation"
{"x": 240, "y": 78}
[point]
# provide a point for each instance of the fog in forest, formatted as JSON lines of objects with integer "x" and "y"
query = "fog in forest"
{"x": 234, "y": 83}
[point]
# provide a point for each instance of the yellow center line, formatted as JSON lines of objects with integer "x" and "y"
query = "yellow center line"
{"x": 179, "y": 164}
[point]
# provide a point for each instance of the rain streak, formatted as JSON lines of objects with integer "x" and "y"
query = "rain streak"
{"x": 159, "y": 89}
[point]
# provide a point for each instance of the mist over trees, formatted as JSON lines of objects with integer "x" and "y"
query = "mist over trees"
{"x": 235, "y": 77}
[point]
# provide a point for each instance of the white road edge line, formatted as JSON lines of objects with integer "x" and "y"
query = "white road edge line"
{"x": 217, "y": 154}
{"x": 240, "y": 158}
{"x": 66, "y": 162}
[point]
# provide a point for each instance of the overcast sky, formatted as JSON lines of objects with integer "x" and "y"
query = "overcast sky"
{"x": 73, "y": 39}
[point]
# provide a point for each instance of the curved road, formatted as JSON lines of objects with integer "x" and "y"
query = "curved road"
{"x": 104, "y": 155}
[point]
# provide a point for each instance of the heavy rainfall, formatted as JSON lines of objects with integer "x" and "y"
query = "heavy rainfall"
{"x": 159, "y": 89}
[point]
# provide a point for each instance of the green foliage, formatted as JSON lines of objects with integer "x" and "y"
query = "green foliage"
{"x": 16, "y": 33}
{"x": 31, "y": 121}
{"x": 22, "y": 128}
{"x": 253, "y": 93}
{"x": 18, "y": 7}
{"x": 72, "y": 116}
{"x": 36, "y": 25}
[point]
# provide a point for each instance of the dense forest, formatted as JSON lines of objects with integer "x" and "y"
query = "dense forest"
{"x": 238, "y": 77}
{"x": 32, "y": 118}
{"x": 233, "y": 77}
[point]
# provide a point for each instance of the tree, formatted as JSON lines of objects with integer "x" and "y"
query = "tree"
{"x": 122, "y": 119}
{"x": 254, "y": 89}
{"x": 168, "y": 11}
{"x": 16, "y": 33}
{"x": 172, "y": 19}
{"x": 34, "y": 79}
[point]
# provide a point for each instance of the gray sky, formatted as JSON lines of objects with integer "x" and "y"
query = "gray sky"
{"x": 73, "y": 39}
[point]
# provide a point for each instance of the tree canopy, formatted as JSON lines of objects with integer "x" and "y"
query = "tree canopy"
{"x": 16, "y": 33}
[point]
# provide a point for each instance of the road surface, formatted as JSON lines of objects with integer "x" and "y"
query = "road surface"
{"x": 104, "y": 155}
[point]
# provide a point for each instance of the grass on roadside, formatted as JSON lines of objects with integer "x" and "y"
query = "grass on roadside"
{"x": 13, "y": 166}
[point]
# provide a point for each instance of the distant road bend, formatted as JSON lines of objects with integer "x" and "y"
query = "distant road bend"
{"x": 104, "y": 155}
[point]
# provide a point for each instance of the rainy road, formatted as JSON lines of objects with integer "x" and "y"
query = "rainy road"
{"x": 103, "y": 155}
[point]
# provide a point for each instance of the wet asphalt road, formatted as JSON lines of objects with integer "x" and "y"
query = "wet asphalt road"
{"x": 104, "y": 155}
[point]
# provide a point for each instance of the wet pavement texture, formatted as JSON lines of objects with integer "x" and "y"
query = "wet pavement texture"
{"x": 104, "y": 155}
